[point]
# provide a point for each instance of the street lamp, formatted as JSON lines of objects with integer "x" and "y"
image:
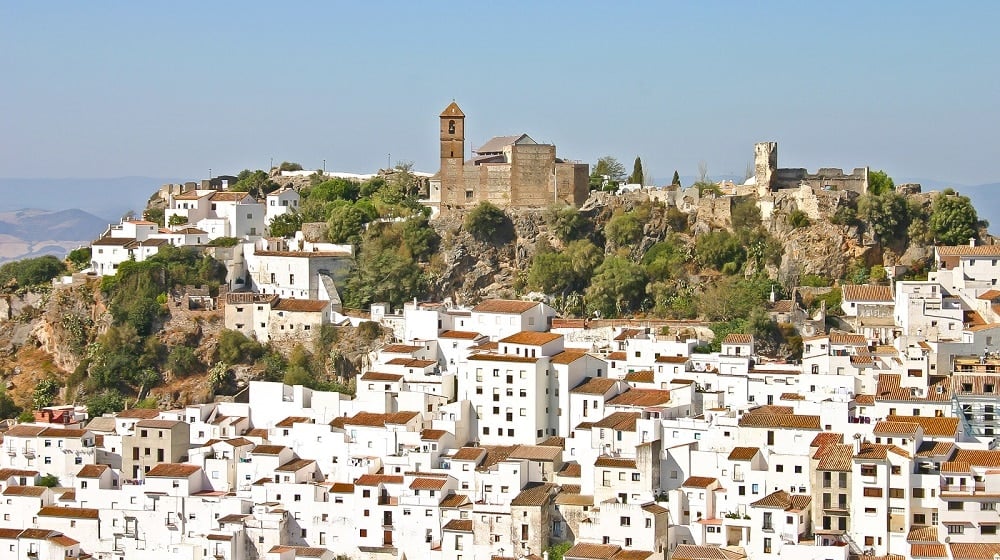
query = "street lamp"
{"x": 324, "y": 167}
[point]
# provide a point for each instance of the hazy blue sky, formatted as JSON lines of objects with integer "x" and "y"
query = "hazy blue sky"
{"x": 171, "y": 89}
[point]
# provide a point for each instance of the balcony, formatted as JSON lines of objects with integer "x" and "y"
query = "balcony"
{"x": 963, "y": 488}
{"x": 388, "y": 501}
{"x": 29, "y": 453}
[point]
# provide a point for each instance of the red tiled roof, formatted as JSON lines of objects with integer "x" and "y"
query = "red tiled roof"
{"x": 531, "y": 338}
{"x": 506, "y": 306}
{"x": 172, "y": 470}
{"x": 699, "y": 481}
{"x": 868, "y": 293}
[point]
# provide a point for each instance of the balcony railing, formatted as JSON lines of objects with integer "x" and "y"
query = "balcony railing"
{"x": 963, "y": 488}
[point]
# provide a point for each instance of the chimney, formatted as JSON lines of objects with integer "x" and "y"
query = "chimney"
{"x": 972, "y": 242}
{"x": 857, "y": 443}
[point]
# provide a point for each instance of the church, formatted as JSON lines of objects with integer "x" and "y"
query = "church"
{"x": 508, "y": 171}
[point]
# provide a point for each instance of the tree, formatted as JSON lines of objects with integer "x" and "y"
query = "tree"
{"x": 236, "y": 348}
{"x": 486, "y": 222}
{"x": 8, "y": 408}
{"x": 798, "y": 219}
{"x": 256, "y": 183}
{"x": 49, "y": 481}
{"x": 177, "y": 220}
{"x": 953, "y": 219}
{"x": 887, "y": 215}
{"x": 618, "y": 286}
{"x": 558, "y": 551}
{"x": 285, "y": 225}
{"x": 289, "y": 166}
{"x": 745, "y": 214}
{"x": 346, "y": 222}
{"x": 44, "y": 394}
{"x": 607, "y": 169}
{"x": 637, "y": 175}
{"x": 181, "y": 361}
{"x": 109, "y": 400}
{"x": 565, "y": 222}
{"x": 623, "y": 229}
{"x": 80, "y": 257}
{"x": 31, "y": 272}
{"x": 676, "y": 180}
{"x": 879, "y": 182}
{"x": 716, "y": 249}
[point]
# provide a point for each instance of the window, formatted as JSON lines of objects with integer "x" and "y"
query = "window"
{"x": 635, "y": 477}
{"x": 956, "y": 506}
{"x": 363, "y": 533}
{"x": 626, "y": 521}
{"x": 988, "y": 506}
{"x": 871, "y": 492}
{"x": 987, "y": 529}
{"x": 798, "y": 469}
{"x": 779, "y": 468}
{"x": 868, "y": 470}
{"x": 768, "y": 525}
{"x": 956, "y": 529}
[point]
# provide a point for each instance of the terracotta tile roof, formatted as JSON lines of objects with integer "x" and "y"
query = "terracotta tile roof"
{"x": 827, "y": 438}
{"x": 460, "y": 335}
{"x": 701, "y": 552}
{"x": 292, "y": 420}
{"x": 570, "y": 470}
{"x": 836, "y": 457}
{"x": 469, "y": 454}
{"x": 977, "y": 551}
{"x": 932, "y": 425}
{"x": 158, "y": 424}
{"x": 738, "y": 338}
{"x": 867, "y": 292}
{"x": 955, "y": 467}
{"x": 922, "y": 534}
{"x": 64, "y": 541}
{"x": 249, "y": 298}
{"x": 301, "y": 551}
{"x": 536, "y": 453}
{"x": 929, "y": 550}
{"x": 378, "y": 420}
{"x": 847, "y": 339}
{"x": 627, "y": 334}
{"x": 69, "y": 512}
{"x": 791, "y": 397}
{"x": 989, "y": 295}
{"x": 560, "y": 323}
{"x": 593, "y": 386}
{"x": 92, "y": 471}
{"x": 228, "y": 196}
{"x": 506, "y": 306}
{"x": 621, "y": 421}
{"x": 138, "y": 413}
{"x": 573, "y": 499}
{"x": 33, "y": 491}
{"x": 376, "y": 479}
{"x": 567, "y": 356}
{"x": 699, "y": 481}
{"x": 428, "y": 483}
{"x": 40, "y": 534}
{"x": 617, "y": 356}
{"x": 968, "y": 250}
{"x": 592, "y": 551}
{"x": 783, "y": 500}
{"x": 791, "y": 421}
{"x": 978, "y": 457}
{"x": 400, "y": 348}
{"x": 895, "y": 428}
{"x": 878, "y": 451}
{"x": 644, "y": 376}
{"x": 411, "y": 362}
{"x": 743, "y": 453}
{"x": 342, "y": 488}
{"x": 534, "y": 494}
{"x": 378, "y": 376}
{"x": 172, "y": 470}
{"x": 554, "y": 441}
{"x": 432, "y": 435}
{"x": 303, "y": 254}
{"x": 458, "y": 525}
{"x": 935, "y": 449}
{"x": 268, "y": 449}
{"x": 531, "y": 338}
{"x": 633, "y": 555}
{"x": 654, "y": 508}
{"x": 614, "y": 462}
{"x": 24, "y": 430}
{"x": 8, "y": 473}
{"x": 295, "y": 465}
{"x": 867, "y": 400}
{"x": 773, "y": 409}
{"x": 301, "y": 305}
{"x": 641, "y": 398}
{"x": 782, "y": 306}
{"x": 495, "y": 454}
{"x": 455, "y": 501}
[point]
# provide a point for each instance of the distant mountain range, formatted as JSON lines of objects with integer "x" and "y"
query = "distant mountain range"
{"x": 54, "y": 216}
{"x": 33, "y": 233}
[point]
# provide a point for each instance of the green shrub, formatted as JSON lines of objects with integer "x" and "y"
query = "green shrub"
{"x": 798, "y": 219}
{"x": 486, "y": 222}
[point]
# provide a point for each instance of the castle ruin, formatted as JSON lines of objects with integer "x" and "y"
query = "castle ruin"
{"x": 769, "y": 178}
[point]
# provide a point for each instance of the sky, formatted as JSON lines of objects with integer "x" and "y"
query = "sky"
{"x": 179, "y": 89}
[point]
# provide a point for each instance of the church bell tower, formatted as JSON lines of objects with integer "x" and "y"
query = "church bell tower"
{"x": 452, "y": 156}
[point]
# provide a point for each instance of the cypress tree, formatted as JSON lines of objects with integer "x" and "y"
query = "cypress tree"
{"x": 677, "y": 179}
{"x": 636, "y": 177}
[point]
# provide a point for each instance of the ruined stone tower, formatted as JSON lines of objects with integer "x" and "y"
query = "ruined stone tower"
{"x": 765, "y": 160}
{"x": 452, "y": 155}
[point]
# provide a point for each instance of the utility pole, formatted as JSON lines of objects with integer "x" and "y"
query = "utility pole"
{"x": 388, "y": 162}
{"x": 324, "y": 167}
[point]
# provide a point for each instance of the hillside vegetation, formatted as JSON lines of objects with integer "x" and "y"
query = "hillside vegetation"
{"x": 127, "y": 340}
